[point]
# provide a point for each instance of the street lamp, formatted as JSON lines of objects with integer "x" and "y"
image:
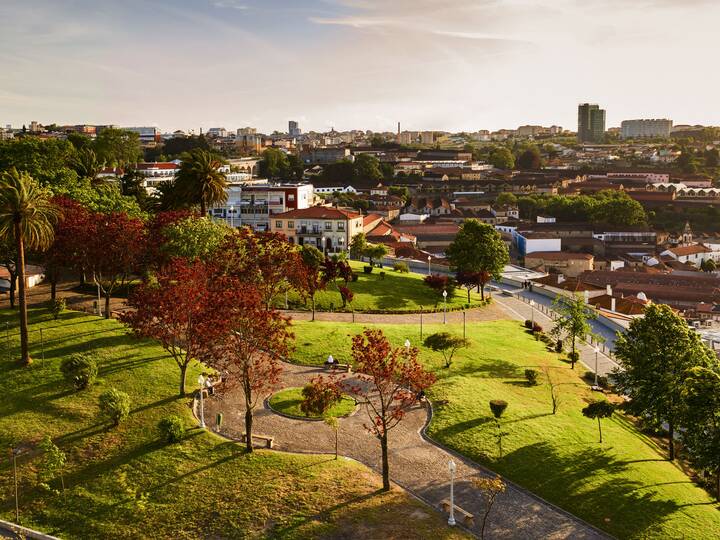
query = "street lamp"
{"x": 232, "y": 212}
{"x": 444, "y": 306}
{"x": 532, "y": 312}
{"x": 407, "y": 345}
{"x": 452, "y": 468}
{"x": 597, "y": 350}
{"x": 429, "y": 259}
{"x": 201, "y": 382}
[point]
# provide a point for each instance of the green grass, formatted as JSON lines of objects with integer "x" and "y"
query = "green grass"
{"x": 126, "y": 482}
{"x": 288, "y": 400}
{"x": 394, "y": 292}
{"x": 624, "y": 486}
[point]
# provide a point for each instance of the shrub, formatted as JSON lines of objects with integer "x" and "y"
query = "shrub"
{"x": 382, "y": 275}
{"x": 603, "y": 381}
{"x": 355, "y": 277}
{"x": 528, "y": 324}
{"x": 368, "y": 269}
{"x": 172, "y": 428}
{"x": 537, "y": 328}
{"x": 56, "y": 307}
{"x": 114, "y": 405}
{"x": 532, "y": 376}
{"x": 573, "y": 356}
{"x": 401, "y": 267}
{"x": 440, "y": 283}
{"x": 559, "y": 346}
{"x": 498, "y": 406}
{"x": 79, "y": 370}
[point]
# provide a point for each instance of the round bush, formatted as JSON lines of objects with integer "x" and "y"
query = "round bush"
{"x": 528, "y": 324}
{"x": 114, "y": 405}
{"x": 498, "y": 406}
{"x": 368, "y": 269}
{"x": 401, "y": 267}
{"x": 532, "y": 376}
{"x": 573, "y": 356}
{"x": 172, "y": 428}
{"x": 79, "y": 370}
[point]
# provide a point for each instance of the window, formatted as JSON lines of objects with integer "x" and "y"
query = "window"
{"x": 278, "y": 224}
{"x": 340, "y": 225}
{"x": 291, "y": 198}
{"x": 328, "y": 225}
{"x": 291, "y": 224}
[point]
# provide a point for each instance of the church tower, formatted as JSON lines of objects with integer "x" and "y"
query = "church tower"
{"x": 687, "y": 235}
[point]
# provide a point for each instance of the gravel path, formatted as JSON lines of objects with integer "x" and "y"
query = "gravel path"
{"x": 415, "y": 463}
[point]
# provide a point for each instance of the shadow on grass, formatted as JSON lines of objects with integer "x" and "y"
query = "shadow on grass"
{"x": 594, "y": 484}
{"x": 288, "y": 532}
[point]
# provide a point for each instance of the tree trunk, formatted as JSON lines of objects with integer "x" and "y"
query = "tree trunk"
{"x": 717, "y": 485}
{"x": 248, "y": 430}
{"x": 600, "y": 429}
{"x": 25, "y": 353}
{"x": 107, "y": 305}
{"x": 482, "y": 292}
{"x": 183, "y": 372}
{"x": 671, "y": 436}
{"x": 82, "y": 277}
{"x": 468, "y": 295}
{"x": 53, "y": 286}
{"x": 13, "y": 287}
{"x": 203, "y": 208}
{"x": 312, "y": 301}
{"x": 385, "y": 464}
{"x": 336, "y": 443}
{"x": 572, "y": 361}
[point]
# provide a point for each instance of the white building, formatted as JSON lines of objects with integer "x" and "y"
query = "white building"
{"x": 645, "y": 128}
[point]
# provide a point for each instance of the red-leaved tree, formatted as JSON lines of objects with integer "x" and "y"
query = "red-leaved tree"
{"x": 249, "y": 354}
{"x": 182, "y": 308}
{"x": 471, "y": 280}
{"x": 307, "y": 277}
{"x": 114, "y": 249}
{"x": 390, "y": 382}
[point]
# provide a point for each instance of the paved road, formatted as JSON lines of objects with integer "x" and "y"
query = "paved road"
{"x": 416, "y": 464}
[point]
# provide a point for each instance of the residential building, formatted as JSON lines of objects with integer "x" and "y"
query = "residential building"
{"x": 147, "y": 135}
{"x": 329, "y": 229}
{"x": 217, "y": 133}
{"x": 256, "y": 205}
{"x": 529, "y": 242}
{"x": 638, "y": 129}
{"x": 294, "y": 129}
{"x": 591, "y": 123}
{"x": 325, "y": 155}
{"x": 157, "y": 173}
{"x": 694, "y": 254}
{"x": 561, "y": 262}
{"x": 427, "y": 137}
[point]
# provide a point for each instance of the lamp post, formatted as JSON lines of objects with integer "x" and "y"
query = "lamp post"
{"x": 597, "y": 350}
{"x": 444, "y": 306}
{"x": 232, "y": 212}
{"x": 429, "y": 258}
{"x": 532, "y": 312}
{"x": 421, "y": 313}
{"x": 452, "y": 468}
{"x": 15, "y": 453}
{"x": 201, "y": 382}
{"x": 407, "y": 345}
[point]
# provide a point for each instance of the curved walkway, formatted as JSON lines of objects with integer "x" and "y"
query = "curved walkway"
{"x": 416, "y": 463}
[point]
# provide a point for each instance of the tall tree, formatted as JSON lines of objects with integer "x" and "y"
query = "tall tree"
{"x": 598, "y": 410}
{"x": 572, "y": 322}
{"x": 502, "y": 158}
{"x": 308, "y": 277}
{"x": 87, "y": 165}
{"x": 375, "y": 252}
{"x": 193, "y": 238}
{"x": 118, "y": 147}
{"x": 200, "y": 181}
{"x": 182, "y": 308}
{"x": 114, "y": 246}
{"x": 654, "y": 356}
{"x": 274, "y": 164}
{"x": 701, "y": 419}
{"x": 358, "y": 245}
{"x": 530, "y": 159}
{"x": 249, "y": 355}
{"x": 27, "y": 217}
{"x": 478, "y": 247}
{"x": 391, "y": 381}
{"x": 367, "y": 167}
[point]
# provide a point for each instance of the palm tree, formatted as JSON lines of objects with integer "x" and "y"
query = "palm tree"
{"x": 200, "y": 181}
{"x": 87, "y": 165}
{"x": 27, "y": 217}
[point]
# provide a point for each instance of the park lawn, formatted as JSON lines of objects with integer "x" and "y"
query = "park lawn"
{"x": 126, "y": 482}
{"x": 624, "y": 485}
{"x": 288, "y": 400}
{"x": 394, "y": 292}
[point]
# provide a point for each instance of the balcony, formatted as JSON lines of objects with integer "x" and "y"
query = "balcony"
{"x": 308, "y": 231}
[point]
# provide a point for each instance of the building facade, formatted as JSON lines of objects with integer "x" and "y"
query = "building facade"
{"x": 591, "y": 123}
{"x": 639, "y": 129}
{"x": 329, "y": 229}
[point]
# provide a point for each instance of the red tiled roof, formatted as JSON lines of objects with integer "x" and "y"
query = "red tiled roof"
{"x": 159, "y": 165}
{"x": 318, "y": 212}
{"x": 558, "y": 256}
{"x": 689, "y": 250}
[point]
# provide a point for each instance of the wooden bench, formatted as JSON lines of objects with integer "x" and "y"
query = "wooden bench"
{"x": 268, "y": 440}
{"x": 335, "y": 365}
{"x": 466, "y": 517}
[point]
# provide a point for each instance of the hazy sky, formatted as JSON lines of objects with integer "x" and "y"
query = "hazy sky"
{"x": 430, "y": 64}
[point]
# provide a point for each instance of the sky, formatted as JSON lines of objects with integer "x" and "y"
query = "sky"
{"x": 451, "y": 65}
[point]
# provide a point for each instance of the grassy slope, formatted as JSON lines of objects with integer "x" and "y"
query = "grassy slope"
{"x": 624, "y": 486}
{"x": 126, "y": 483}
{"x": 287, "y": 401}
{"x": 403, "y": 292}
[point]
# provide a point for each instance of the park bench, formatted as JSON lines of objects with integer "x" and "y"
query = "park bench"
{"x": 335, "y": 365}
{"x": 266, "y": 438}
{"x": 466, "y": 517}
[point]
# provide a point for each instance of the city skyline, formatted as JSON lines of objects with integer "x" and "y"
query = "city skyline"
{"x": 349, "y": 64}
